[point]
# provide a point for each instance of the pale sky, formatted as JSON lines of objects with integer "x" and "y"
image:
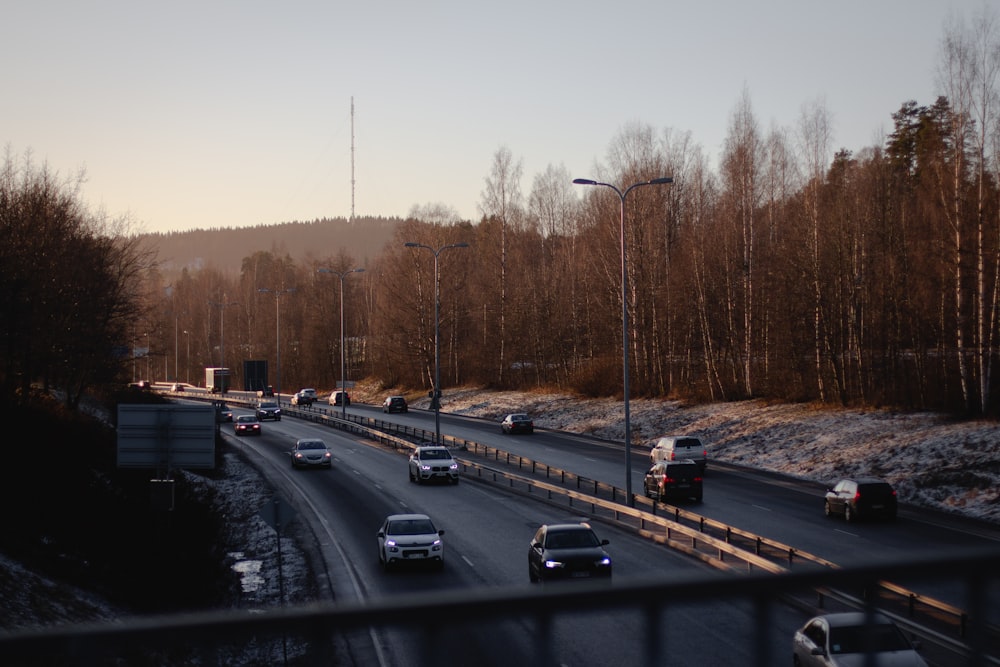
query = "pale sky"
{"x": 202, "y": 114}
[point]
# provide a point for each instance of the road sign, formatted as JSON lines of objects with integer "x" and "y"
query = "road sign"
{"x": 277, "y": 513}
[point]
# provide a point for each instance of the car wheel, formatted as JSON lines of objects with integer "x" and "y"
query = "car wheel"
{"x": 532, "y": 577}
{"x": 412, "y": 478}
{"x": 698, "y": 498}
{"x": 455, "y": 480}
{"x": 827, "y": 510}
{"x": 849, "y": 514}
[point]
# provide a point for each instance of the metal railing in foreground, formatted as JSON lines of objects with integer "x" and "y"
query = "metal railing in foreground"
{"x": 203, "y": 633}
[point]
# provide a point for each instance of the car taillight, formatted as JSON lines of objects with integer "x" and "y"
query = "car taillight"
{"x": 697, "y": 479}
{"x": 673, "y": 455}
{"x": 668, "y": 480}
{"x": 857, "y": 496}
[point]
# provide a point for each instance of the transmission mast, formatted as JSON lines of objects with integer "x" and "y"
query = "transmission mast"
{"x": 352, "y": 158}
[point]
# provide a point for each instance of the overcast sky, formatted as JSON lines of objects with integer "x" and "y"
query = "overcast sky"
{"x": 202, "y": 114}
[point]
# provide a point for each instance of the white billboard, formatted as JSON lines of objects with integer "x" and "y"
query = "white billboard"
{"x": 166, "y": 436}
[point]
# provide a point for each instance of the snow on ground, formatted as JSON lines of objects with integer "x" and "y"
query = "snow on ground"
{"x": 931, "y": 460}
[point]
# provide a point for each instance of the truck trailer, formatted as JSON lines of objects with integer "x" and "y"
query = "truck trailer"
{"x": 217, "y": 380}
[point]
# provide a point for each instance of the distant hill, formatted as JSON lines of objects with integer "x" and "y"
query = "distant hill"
{"x": 224, "y": 248}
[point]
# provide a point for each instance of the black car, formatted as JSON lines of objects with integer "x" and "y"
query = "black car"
{"x": 395, "y": 404}
{"x": 269, "y": 410}
{"x": 222, "y": 412}
{"x": 674, "y": 479}
{"x": 567, "y": 551}
{"x": 517, "y": 422}
{"x": 861, "y": 498}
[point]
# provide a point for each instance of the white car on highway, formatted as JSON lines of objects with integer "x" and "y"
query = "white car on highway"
{"x": 410, "y": 538}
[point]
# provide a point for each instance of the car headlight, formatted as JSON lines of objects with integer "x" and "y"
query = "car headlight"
{"x": 554, "y": 564}
{"x": 327, "y": 455}
{"x": 453, "y": 466}
{"x": 390, "y": 545}
{"x": 424, "y": 466}
{"x": 604, "y": 562}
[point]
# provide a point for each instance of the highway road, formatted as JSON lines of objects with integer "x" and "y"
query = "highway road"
{"x": 486, "y": 542}
{"x": 487, "y": 533}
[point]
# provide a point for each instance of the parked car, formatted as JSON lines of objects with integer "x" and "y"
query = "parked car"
{"x": 852, "y": 638}
{"x": 222, "y": 412}
{"x": 677, "y": 447}
{"x": 861, "y": 498}
{"x": 266, "y": 392}
{"x": 269, "y": 410}
{"x": 304, "y": 397}
{"x": 410, "y": 538}
{"x": 340, "y": 397}
{"x": 433, "y": 463}
{"x": 311, "y": 453}
{"x": 674, "y": 479}
{"x": 567, "y": 551}
{"x": 395, "y": 404}
{"x": 517, "y": 423}
{"x": 247, "y": 425}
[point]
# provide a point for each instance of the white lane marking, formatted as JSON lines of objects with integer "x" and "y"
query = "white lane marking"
{"x": 761, "y": 507}
{"x": 839, "y": 530}
{"x": 469, "y": 562}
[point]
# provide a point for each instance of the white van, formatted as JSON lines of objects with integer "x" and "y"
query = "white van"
{"x": 678, "y": 447}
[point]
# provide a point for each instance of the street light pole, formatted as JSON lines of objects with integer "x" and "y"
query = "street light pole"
{"x": 222, "y": 329}
{"x": 277, "y": 335}
{"x": 187, "y": 360}
{"x": 625, "y": 372}
{"x": 343, "y": 366}
{"x": 436, "y": 396}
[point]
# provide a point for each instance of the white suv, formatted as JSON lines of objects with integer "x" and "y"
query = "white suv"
{"x": 678, "y": 447}
{"x": 433, "y": 463}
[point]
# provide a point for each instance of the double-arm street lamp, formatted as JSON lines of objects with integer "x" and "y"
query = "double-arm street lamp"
{"x": 436, "y": 395}
{"x": 343, "y": 366}
{"x": 277, "y": 334}
{"x": 625, "y": 387}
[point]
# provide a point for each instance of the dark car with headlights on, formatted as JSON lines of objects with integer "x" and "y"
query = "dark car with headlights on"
{"x": 269, "y": 410}
{"x": 517, "y": 422}
{"x": 674, "y": 480}
{"x": 395, "y": 404}
{"x": 247, "y": 425}
{"x": 223, "y": 413}
{"x": 861, "y": 498}
{"x": 311, "y": 453}
{"x": 853, "y": 638}
{"x": 567, "y": 551}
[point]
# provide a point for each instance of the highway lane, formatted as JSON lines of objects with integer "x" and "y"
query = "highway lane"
{"x": 776, "y": 506}
{"x": 486, "y": 542}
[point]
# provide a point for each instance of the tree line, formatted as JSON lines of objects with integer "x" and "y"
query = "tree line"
{"x": 793, "y": 271}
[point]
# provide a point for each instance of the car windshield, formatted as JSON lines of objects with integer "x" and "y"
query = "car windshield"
{"x": 268, "y": 405}
{"x": 246, "y": 419}
{"x": 867, "y": 638}
{"x": 312, "y": 444}
{"x": 435, "y": 454}
{"x": 410, "y": 527}
{"x": 519, "y": 418}
{"x": 570, "y": 539}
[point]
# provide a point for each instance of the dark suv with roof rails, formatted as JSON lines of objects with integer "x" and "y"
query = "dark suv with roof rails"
{"x": 861, "y": 498}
